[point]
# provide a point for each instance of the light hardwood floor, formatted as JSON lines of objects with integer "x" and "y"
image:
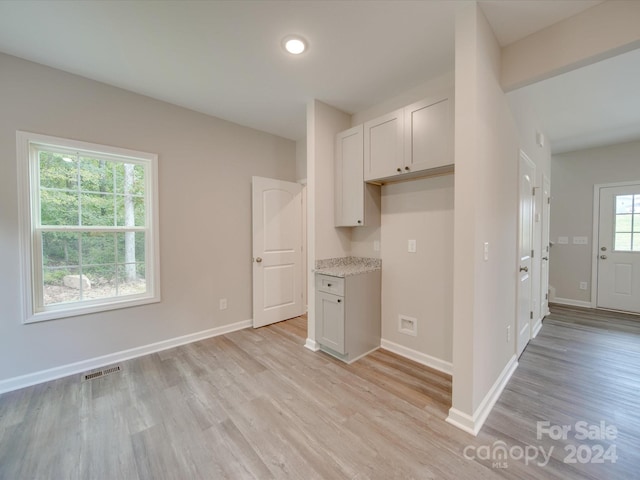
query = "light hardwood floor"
{"x": 256, "y": 404}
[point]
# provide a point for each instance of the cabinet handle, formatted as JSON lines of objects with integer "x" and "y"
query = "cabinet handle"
{"x": 406, "y": 168}
{"x": 339, "y": 301}
{"x": 359, "y": 221}
{"x": 328, "y": 284}
{"x": 398, "y": 169}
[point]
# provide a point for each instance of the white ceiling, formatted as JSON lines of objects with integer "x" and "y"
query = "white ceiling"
{"x": 224, "y": 58}
{"x": 592, "y": 106}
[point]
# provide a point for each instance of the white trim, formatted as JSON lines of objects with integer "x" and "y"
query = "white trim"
{"x": 419, "y": 357}
{"x": 473, "y": 424}
{"x": 42, "y": 376}
{"x": 30, "y": 259}
{"x": 311, "y": 345}
{"x": 572, "y": 303}
{"x": 536, "y": 328}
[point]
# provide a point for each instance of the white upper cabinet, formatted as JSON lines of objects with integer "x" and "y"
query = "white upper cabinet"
{"x": 414, "y": 139}
{"x": 383, "y": 145}
{"x": 349, "y": 181}
{"x": 428, "y": 134}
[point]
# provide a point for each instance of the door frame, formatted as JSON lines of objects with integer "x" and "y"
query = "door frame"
{"x": 523, "y": 157}
{"x": 595, "y": 238}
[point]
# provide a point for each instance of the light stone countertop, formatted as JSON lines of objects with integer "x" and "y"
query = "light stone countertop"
{"x": 347, "y": 266}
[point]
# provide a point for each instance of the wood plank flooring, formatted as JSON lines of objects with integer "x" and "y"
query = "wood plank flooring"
{"x": 255, "y": 404}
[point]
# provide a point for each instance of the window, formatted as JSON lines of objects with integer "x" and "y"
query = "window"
{"x": 627, "y": 223}
{"x": 89, "y": 227}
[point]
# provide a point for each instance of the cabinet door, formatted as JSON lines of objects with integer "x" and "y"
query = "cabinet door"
{"x": 349, "y": 181}
{"x": 383, "y": 146}
{"x": 428, "y": 134}
{"x": 330, "y": 321}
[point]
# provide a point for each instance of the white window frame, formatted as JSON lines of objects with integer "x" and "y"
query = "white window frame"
{"x": 31, "y": 266}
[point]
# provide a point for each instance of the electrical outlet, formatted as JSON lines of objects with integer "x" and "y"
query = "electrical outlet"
{"x": 223, "y": 304}
{"x": 411, "y": 248}
{"x": 583, "y": 285}
{"x": 508, "y": 333}
{"x": 486, "y": 251}
{"x": 376, "y": 245}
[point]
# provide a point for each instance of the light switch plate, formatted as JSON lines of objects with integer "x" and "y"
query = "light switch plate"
{"x": 411, "y": 248}
{"x": 376, "y": 245}
{"x": 486, "y": 251}
{"x": 580, "y": 241}
{"x": 563, "y": 240}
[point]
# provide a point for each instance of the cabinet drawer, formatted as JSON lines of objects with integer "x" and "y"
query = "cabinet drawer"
{"x": 329, "y": 284}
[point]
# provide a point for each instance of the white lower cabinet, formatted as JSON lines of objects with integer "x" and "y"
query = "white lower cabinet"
{"x": 348, "y": 314}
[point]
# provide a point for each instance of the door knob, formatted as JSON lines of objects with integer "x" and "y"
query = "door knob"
{"x": 604, "y": 249}
{"x": 259, "y": 259}
{"x": 603, "y": 257}
{"x": 524, "y": 269}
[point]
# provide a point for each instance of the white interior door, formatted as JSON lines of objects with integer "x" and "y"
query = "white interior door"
{"x": 277, "y": 251}
{"x": 544, "y": 264}
{"x": 527, "y": 171}
{"x": 619, "y": 248}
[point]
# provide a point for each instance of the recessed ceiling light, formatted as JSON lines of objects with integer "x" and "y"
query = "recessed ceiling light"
{"x": 294, "y": 44}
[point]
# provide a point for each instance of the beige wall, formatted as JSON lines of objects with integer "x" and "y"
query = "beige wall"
{"x": 205, "y": 169}
{"x": 363, "y": 238}
{"x": 529, "y": 127}
{"x": 574, "y": 175}
{"x": 419, "y": 285}
{"x": 486, "y": 157}
{"x": 324, "y": 240}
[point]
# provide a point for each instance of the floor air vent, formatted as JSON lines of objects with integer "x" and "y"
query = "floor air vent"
{"x": 100, "y": 373}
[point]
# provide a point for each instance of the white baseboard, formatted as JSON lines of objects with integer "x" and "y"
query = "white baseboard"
{"x": 311, "y": 345}
{"x": 473, "y": 424}
{"x": 572, "y": 303}
{"x": 42, "y": 376}
{"x": 419, "y": 357}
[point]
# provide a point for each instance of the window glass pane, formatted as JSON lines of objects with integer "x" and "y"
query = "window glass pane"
{"x": 61, "y": 285}
{"x": 98, "y": 248}
{"x": 636, "y": 243}
{"x": 623, "y": 223}
{"x": 624, "y": 204}
{"x": 58, "y": 208}
{"x": 636, "y": 203}
{"x": 59, "y": 249}
{"x": 102, "y": 280}
{"x": 622, "y": 242}
{"x": 97, "y": 209}
{"x": 96, "y": 175}
{"x": 636, "y": 221}
{"x": 58, "y": 170}
{"x": 130, "y": 211}
{"x": 131, "y": 279}
{"x": 131, "y": 247}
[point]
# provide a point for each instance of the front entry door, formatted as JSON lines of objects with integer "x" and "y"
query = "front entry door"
{"x": 525, "y": 251}
{"x": 619, "y": 248}
{"x": 277, "y": 251}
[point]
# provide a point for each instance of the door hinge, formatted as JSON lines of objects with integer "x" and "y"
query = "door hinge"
{"x": 531, "y": 315}
{"x": 549, "y": 200}
{"x": 546, "y": 296}
{"x": 533, "y": 191}
{"x": 531, "y": 253}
